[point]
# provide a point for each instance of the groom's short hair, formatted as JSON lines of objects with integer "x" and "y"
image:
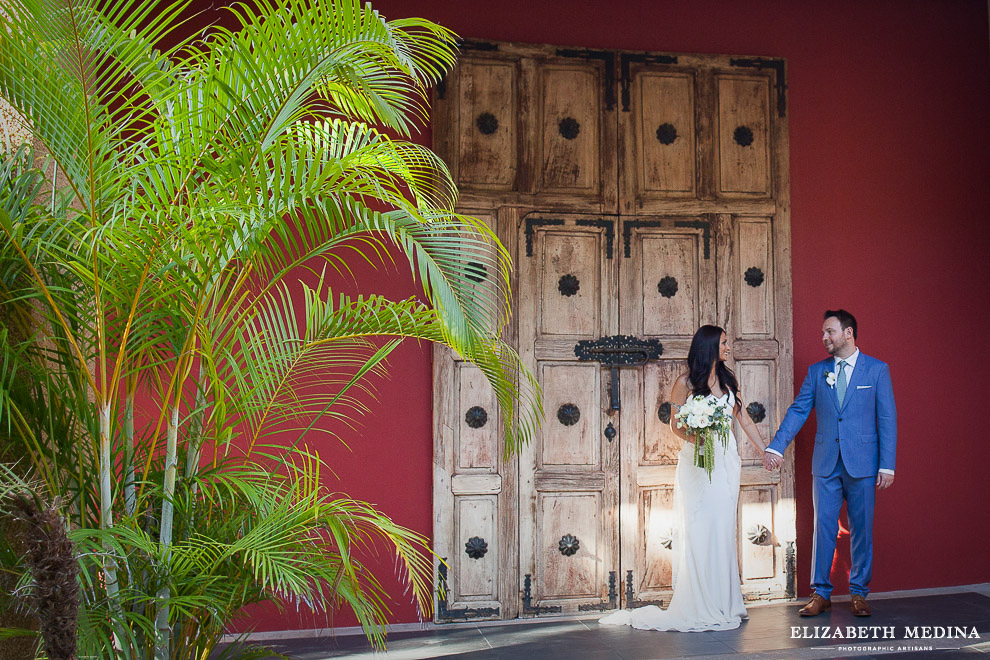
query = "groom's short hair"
{"x": 846, "y": 320}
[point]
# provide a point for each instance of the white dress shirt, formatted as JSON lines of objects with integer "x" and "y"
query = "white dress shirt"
{"x": 850, "y": 365}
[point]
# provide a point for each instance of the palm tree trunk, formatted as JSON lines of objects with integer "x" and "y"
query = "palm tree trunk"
{"x": 129, "y": 495}
{"x": 106, "y": 512}
{"x": 164, "y": 641}
{"x": 196, "y": 430}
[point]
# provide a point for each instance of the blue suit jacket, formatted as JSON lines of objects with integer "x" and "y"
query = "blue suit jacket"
{"x": 864, "y": 429}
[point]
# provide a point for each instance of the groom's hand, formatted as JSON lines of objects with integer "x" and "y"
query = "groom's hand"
{"x": 771, "y": 461}
{"x": 884, "y": 480}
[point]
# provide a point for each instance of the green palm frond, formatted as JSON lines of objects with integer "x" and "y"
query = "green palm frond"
{"x": 159, "y": 259}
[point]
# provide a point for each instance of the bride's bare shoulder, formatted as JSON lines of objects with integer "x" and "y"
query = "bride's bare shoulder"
{"x": 681, "y": 383}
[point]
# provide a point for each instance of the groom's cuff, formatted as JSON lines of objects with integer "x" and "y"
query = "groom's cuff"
{"x": 774, "y": 451}
{"x": 884, "y": 470}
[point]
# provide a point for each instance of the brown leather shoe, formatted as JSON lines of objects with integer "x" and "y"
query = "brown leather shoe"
{"x": 816, "y": 606}
{"x": 858, "y": 606}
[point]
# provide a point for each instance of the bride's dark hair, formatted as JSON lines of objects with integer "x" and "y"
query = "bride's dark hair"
{"x": 702, "y": 354}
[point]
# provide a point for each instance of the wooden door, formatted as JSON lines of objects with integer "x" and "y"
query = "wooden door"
{"x": 680, "y": 273}
{"x": 704, "y": 148}
{"x": 568, "y": 490}
{"x": 474, "y": 489}
{"x": 643, "y": 195}
{"x": 667, "y": 290}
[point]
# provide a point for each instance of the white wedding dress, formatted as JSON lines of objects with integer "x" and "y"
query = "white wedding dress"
{"x": 707, "y": 594}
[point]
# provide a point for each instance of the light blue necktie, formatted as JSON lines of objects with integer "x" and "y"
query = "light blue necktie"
{"x": 840, "y": 382}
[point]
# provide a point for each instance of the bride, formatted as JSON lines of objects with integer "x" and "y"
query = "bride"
{"x": 707, "y": 594}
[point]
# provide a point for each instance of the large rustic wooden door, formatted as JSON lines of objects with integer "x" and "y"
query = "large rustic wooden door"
{"x": 569, "y": 488}
{"x": 642, "y": 195}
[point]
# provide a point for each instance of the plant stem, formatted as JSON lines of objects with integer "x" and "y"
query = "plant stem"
{"x": 129, "y": 497}
{"x": 164, "y": 641}
{"x": 106, "y": 513}
{"x": 196, "y": 427}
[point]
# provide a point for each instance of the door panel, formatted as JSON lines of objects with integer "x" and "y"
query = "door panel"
{"x": 660, "y": 445}
{"x": 477, "y": 438}
{"x": 754, "y": 302}
{"x": 743, "y": 135}
{"x": 570, "y": 287}
{"x": 487, "y": 119}
{"x": 666, "y": 150}
{"x": 570, "y": 143}
{"x": 570, "y": 389}
{"x": 569, "y": 521}
{"x": 756, "y": 379}
{"x": 756, "y": 561}
{"x": 473, "y": 578}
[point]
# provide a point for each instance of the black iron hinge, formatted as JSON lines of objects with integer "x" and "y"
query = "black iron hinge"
{"x": 704, "y": 225}
{"x": 626, "y": 77}
{"x": 781, "y": 82}
{"x": 609, "y": 226}
{"x": 527, "y": 600}
{"x": 606, "y": 56}
{"x": 531, "y": 224}
{"x": 446, "y": 614}
{"x": 628, "y": 226}
{"x": 631, "y": 601}
{"x": 610, "y": 604}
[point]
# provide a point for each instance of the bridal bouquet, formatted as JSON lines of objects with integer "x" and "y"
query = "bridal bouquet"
{"x": 706, "y": 418}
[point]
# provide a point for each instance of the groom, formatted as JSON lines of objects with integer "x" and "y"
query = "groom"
{"x": 854, "y": 453}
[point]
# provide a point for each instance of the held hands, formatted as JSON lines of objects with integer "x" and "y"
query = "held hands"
{"x": 772, "y": 462}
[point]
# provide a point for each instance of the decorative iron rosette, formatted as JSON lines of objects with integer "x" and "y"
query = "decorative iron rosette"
{"x": 476, "y": 271}
{"x": 476, "y": 417}
{"x": 667, "y": 286}
{"x": 743, "y": 136}
{"x": 568, "y": 414}
{"x": 486, "y": 123}
{"x": 569, "y": 128}
{"x": 758, "y": 535}
{"x": 666, "y": 133}
{"x": 756, "y": 412}
{"x": 663, "y": 412}
{"x": 568, "y": 545}
{"x": 753, "y": 276}
{"x": 476, "y": 547}
{"x": 568, "y": 285}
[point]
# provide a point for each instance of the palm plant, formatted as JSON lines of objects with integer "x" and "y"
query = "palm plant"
{"x": 149, "y": 262}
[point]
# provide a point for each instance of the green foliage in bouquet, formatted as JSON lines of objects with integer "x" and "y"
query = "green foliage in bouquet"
{"x": 706, "y": 418}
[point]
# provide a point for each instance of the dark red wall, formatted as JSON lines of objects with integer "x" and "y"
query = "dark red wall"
{"x": 890, "y": 171}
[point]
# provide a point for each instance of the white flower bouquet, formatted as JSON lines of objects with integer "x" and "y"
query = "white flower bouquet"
{"x": 706, "y": 418}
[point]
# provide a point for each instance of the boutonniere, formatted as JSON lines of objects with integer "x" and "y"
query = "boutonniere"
{"x": 830, "y": 378}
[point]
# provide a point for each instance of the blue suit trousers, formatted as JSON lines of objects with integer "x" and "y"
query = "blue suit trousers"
{"x": 860, "y": 496}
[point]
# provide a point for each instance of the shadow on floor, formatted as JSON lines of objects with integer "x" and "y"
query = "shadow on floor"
{"x": 945, "y": 625}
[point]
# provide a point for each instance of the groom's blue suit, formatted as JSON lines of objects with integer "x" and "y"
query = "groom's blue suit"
{"x": 852, "y": 443}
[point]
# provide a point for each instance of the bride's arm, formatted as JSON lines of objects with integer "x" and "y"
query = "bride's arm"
{"x": 749, "y": 428}
{"x": 678, "y": 395}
